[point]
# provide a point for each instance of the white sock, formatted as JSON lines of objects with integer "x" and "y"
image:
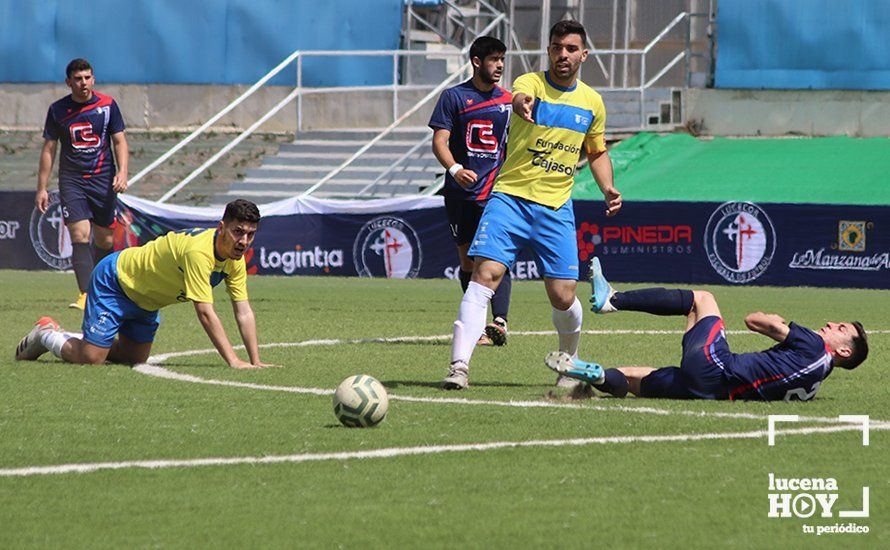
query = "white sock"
{"x": 54, "y": 340}
{"x": 470, "y": 321}
{"x": 568, "y": 326}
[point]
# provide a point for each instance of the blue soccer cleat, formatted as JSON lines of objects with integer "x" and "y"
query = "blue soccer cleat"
{"x": 572, "y": 367}
{"x": 601, "y": 290}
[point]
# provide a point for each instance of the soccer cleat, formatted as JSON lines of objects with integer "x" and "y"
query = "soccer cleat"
{"x": 80, "y": 303}
{"x": 572, "y": 367}
{"x": 496, "y": 331}
{"x": 31, "y": 347}
{"x": 457, "y": 378}
{"x": 601, "y": 290}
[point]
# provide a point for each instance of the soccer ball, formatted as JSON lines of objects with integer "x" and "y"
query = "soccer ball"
{"x": 360, "y": 401}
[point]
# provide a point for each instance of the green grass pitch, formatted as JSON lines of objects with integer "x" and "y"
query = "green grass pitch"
{"x": 618, "y": 493}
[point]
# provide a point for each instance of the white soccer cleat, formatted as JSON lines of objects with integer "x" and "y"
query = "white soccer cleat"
{"x": 31, "y": 347}
{"x": 458, "y": 377}
{"x": 574, "y": 369}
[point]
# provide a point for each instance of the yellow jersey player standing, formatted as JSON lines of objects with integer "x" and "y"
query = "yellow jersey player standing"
{"x": 555, "y": 118}
{"x": 129, "y": 287}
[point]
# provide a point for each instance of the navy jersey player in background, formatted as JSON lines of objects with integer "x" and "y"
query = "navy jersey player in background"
{"x": 86, "y": 123}
{"x": 470, "y": 140}
{"x": 793, "y": 369}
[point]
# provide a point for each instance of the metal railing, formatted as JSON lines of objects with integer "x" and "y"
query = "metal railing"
{"x": 644, "y": 84}
{"x": 395, "y": 87}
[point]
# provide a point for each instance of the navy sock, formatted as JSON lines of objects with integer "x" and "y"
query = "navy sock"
{"x": 657, "y": 301}
{"x": 464, "y": 277}
{"x": 82, "y": 263}
{"x": 500, "y": 302}
{"x": 616, "y": 383}
{"x": 100, "y": 253}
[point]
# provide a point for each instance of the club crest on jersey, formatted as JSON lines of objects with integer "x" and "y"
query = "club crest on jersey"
{"x": 387, "y": 246}
{"x": 49, "y": 235}
{"x": 740, "y": 241}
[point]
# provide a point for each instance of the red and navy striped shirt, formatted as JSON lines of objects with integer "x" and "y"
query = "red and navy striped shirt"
{"x": 791, "y": 370}
{"x": 478, "y": 124}
{"x": 84, "y": 129}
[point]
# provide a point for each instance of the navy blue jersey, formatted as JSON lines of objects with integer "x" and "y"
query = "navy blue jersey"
{"x": 793, "y": 369}
{"x": 478, "y": 124}
{"x": 84, "y": 130}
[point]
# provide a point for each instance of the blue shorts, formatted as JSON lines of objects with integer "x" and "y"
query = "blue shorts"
{"x": 109, "y": 311}
{"x": 87, "y": 200}
{"x": 510, "y": 224}
{"x": 701, "y": 374}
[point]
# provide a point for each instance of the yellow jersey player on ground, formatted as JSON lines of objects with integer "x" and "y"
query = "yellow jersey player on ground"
{"x": 555, "y": 118}
{"x": 129, "y": 287}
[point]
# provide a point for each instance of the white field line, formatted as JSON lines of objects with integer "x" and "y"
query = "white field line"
{"x": 152, "y": 368}
{"x": 410, "y": 451}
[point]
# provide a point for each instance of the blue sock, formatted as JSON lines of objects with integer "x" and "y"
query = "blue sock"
{"x": 500, "y": 302}
{"x": 616, "y": 383}
{"x": 657, "y": 301}
{"x": 464, "y": 277}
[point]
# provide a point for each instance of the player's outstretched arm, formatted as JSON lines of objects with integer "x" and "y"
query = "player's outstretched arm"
{"x": 45, "y": 169}
{"x": 768, "y": 324}
{"x": 522, "y": 106}
{"x": 214, "y": 329}
{"x": 247, "y": 326}
{"x": 601, "y": 168}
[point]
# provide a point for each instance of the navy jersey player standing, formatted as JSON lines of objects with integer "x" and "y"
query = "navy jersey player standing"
{"x": 794, "y": 369}
{"x": 86, "y": 123}
{"x": 470, "y": 141}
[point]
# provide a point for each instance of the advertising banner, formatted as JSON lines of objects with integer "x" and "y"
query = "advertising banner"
{"x": 735, "y": 243}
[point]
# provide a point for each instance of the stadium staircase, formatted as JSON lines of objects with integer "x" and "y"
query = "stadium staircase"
{"x": 398, "y": 161}
{"x": 400, "y": 164}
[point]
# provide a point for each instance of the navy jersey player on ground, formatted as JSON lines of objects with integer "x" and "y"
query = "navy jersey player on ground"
{"x": 470, "y": 133}
{"x": 793, "y": 369}
{"x": 86, "y": 123}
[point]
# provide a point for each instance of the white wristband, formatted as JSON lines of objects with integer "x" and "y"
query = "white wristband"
{"x": 455, "y": 168}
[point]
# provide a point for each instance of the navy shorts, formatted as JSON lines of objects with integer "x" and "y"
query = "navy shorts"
{"x": 87, "y": 200}
{"x": 109, "y": 311}
{"x": 701, "y": 374}
{"x": 463, "y": 218}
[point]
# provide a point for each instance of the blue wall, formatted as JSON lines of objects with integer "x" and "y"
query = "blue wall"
{"x": 197, "y": 41}
{"x": 801, "y": 44}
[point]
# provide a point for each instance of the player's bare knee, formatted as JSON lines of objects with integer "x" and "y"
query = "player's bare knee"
{"x": 93, "y": 356}
{"x": 702, "y": 296}
{"x": 488, "y": 274}
{"x": 562, "y": 302}
{"x": 704, "y": 304}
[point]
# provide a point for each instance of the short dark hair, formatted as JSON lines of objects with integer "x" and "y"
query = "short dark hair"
{"x": 486, "y": 45}
{"x": 858, "y": 347}
{"x": 242, "y": 211}
{"x": 75, "y": 65}
{"x": 567, "y": 27}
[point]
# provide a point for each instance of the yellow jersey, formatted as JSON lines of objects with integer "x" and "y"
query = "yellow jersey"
{"x": 541, "y": 157}
{"x": 178, "y": 267}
